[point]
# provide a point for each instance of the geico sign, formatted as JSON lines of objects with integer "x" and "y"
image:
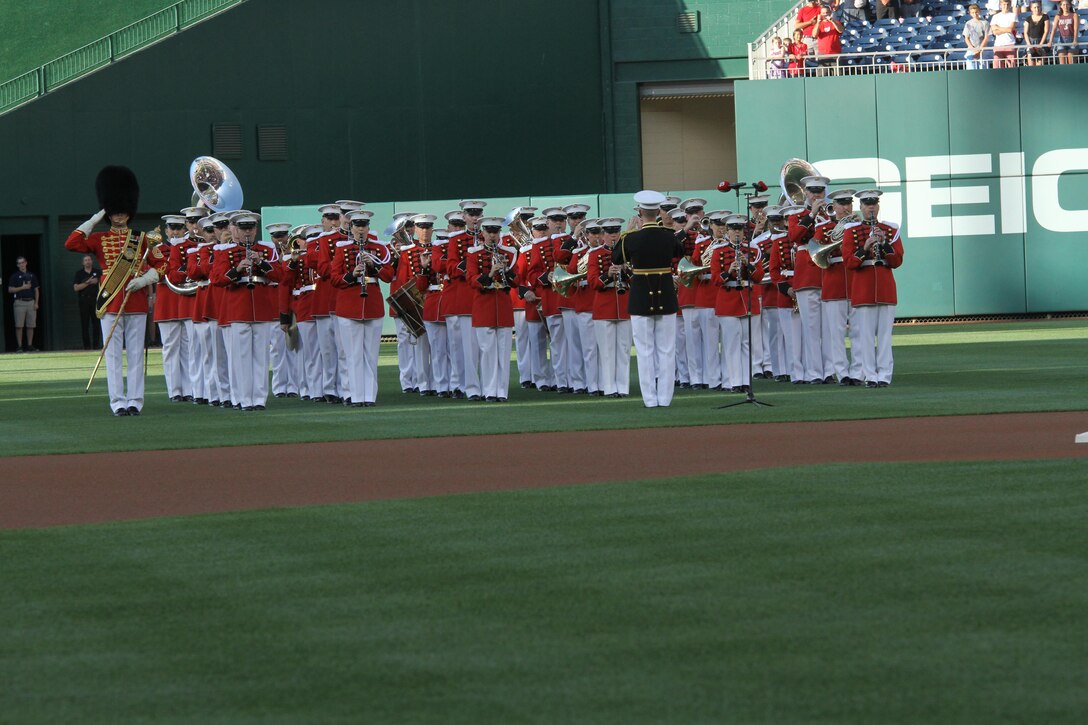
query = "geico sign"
{"x": 924, "y": 195}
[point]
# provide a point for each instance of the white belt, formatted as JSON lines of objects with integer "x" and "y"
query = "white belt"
{"x": 787, "y": 273}
{"x": 434, "y": 288}
{"x": 735, "y": 285}
{"x": 256, "y": 280}
{"x": 583, "y": 283}
{"x": 873, "y": 263}
{"x": 306, "y": 288}
{"x": 704, "y": 276}
{"x": 834, "y": 260}
{"x": 203, "y": 283}
{"x": 369, "y": 280}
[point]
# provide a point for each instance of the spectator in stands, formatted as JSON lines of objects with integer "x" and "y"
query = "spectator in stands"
{"x": 911, "y": 8}
{"x": 976, "y": 33}
{"x": 1003, "y": 30}
{"x": 993, "y": 7}
{"x": 807, "y": 17}
{"x": 776, "y": 66}
{"x": 852, "y": 11}
{"x": 887, "y": 9}
{"x": 828, "y": 42}
{"x": 1036, "y": 30}
{"x": 1063, "y": 32}
{"x": 797, "y": 52}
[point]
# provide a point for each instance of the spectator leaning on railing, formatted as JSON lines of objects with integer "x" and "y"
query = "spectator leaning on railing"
{"x": 1063, "y": 32}
{"x": 776, "y": 66}
{"x": 1036, "y": 29}
{"x": 1003, "y": 29}
{"x": 797, "y": 52}
{"x": 976, "y": 33}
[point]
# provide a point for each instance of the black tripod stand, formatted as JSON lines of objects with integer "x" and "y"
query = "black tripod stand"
{"x": 750, "y": 396}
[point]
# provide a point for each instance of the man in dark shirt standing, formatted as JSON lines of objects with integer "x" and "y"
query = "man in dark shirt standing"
{"x": 651, "y": 252}
{"x": 86, "y": 286}
{"x": 25, "y": 288}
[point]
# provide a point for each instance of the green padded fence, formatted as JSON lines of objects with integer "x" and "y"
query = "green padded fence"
{"x": 102, "y": 52}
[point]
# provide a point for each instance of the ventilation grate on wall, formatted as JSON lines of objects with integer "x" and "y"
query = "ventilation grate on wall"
{"x": 688, "y": 22}
{"x": 227, "y": 140}
{"x": 272, "y": 143}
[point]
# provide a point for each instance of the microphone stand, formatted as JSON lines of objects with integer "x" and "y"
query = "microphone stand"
{"x": 750, "y": 396}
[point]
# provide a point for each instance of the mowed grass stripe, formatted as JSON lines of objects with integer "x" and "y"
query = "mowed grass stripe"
{"x": 868, "y": 593}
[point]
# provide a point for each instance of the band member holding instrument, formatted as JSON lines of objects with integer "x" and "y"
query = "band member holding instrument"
{"x": 834, "y": 289}
{"x": 300, "y": 277}
{"x": 651, "y": 251}
{"x": 319, "y": 255}
{"x": 611, "y": 320}
{"x": 491, "y": 272}
{"x": 197, "y": 266}
{"x": 457, "y": 297}
{"x": 193, "y": 215}
{"x": 125, "y": 314}
{"x": 783, "y": 259}
{"x": 734, "y": 267}
{"x": 409, "y": 268}
{"x": 359, "y": 263}
{"x": 581, "y": 342}
{"x": 223, "y": 237}
{"x": 772, "y": 300}
{"x": 520, "y": 217}
{"x": 806, "y": 280}
{"x": 704, "y": 323}
{"x": 279, "y": 358}
{"x": 542, "y": 260}
{"x": 872, "y": 249}
{"x": 173, "y": 311}
{"x": 533, "y": 290}
{"x": 757, "y": 224}
{"x": 430, "y": 279}
{"x": 249, "y": 272}
{"x": 674, "y": 218}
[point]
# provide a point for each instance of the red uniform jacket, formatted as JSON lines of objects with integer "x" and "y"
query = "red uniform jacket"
{"x": 350, "y": 303}
{"x": 319, "y": 256}
{"x": 733, "y": 292}
{"x": 431, "y": 282}
{"x": 106, "y": 246}
{"x": 608, "y": 303}
{"x": 772, "y": 296}
{"x": 871, "y": 278}
{"x": 213, "y": 294}
{"x": 685, "y": 296}
{"x": 834, "y": 281}
{"x": 239, "y": 302}
{"x": 806, "y": 275}
{"x": 546, "y": 253}
{"x": 581, "y": 294}
{"x": 297, "y": 293}
{"x": 565, "y": 246}
{"x": 492, "y": 306}
{"x": 409, "y": 267}
{"x": 705, "y": 292}
{"x": 168, "y": 304}
{"x": 457, "y": 294}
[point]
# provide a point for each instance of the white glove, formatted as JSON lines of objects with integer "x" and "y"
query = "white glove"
{"x": 148, "y": 277}
{"x": 88, "y": 226}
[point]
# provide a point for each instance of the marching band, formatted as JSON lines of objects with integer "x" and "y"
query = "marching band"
{"x": 574, "y": 292}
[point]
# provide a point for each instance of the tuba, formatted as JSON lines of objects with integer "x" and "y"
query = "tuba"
{"x": 789, "y": 179}
{"x": 214, "y": 185}
{"x": 519, "y": 230}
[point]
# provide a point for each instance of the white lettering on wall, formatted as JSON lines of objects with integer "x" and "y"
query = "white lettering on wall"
{"x": 1044, "y": 190}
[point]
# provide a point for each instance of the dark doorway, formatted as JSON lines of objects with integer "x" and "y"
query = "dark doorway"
{"x": 13, "y": 246}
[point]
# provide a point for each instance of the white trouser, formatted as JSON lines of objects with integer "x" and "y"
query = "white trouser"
{"x": 734, "y": 357}
{"x": 361, "y": 340}
{"x": 294, "y": 368}
{"x": 614, "y": 355}
{"x": 406, "y": 358}
{"x": 313, "y": 371}
{"x": 542, "y": 371}
{"x": 440, "y": 355}
{"x": 494, "y": 344}
{"x": 789, "y": 324}
{"x": 682, "y": 373}
{"x": 201, "y": 381}
{"x": 523, "y": 345}
{"x": 558, "y": 344}
{"x": 773, "y": 343}
{"x": 457, "y": 351}
{"x": 759, "y": 353}
{"x": 208, "y": 333}
{"x": 277, "y": 358}
{"x": 129, "y": 336}
{"x": 576, "y": 361}
{"x": 464, "y": 354}
{"x": 712, "y": 359}
{"x": 175, "y": 359}
{"x": 583, "y": 322}
{"x": 330, "y": 358}
{"x": 222, "y": 362}
{"x": 248, "y": 342}
{"x": 421, "y": 362}
{"x": 808, "y": 305}
{"x": 655, "y": 340}
{"x": 833, "y": 337}
{"x": 693, "y": 349}
{"x": 343, "y": 380}
{"x": 192, "y": 358}
{"x": 874, "y": 326}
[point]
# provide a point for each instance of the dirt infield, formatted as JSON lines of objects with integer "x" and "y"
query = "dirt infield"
{"x": 38, "y": 491}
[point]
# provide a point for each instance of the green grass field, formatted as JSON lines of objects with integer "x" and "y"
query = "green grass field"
{"x": 843, "y": 593}
{"x": 41, "y": 31}
{"x": 942, "y": 370}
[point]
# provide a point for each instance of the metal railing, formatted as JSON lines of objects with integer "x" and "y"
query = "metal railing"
{"x": 781, "y": 28}
{"x": 891, "y": 61}
{"x": 117, "y": 45}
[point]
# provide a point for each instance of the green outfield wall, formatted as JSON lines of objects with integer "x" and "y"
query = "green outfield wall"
{"x": 987, "y": 171}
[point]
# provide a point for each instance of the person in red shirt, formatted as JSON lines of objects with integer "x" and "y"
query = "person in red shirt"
{"x": 828, "y": 42}
{"x": 797, "y": 51}
{"x": 808, "y": 16}
{"x": 491, "y": 271}
{"x": 611, "y": 320}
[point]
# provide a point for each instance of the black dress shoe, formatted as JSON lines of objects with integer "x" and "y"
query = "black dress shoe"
{"x": 332, "y": 399}
{"x": 580, "y": 391}
{"x": 798, "y": 382}
{"x": 829, "y": 380}
{"x": 598, "y": 393}
{"x": 613, "y": 395}
{"x": 846, "y": 380}
{"x": 474, "y": 398}
{"x": 175, "y": 398}
{"x": 501, "y": 400}
{"x": 781, "y": 378}
{"x": 684, "y": 385}
{"x": 429, "y": 393}
{"x": 870, "y": 383}
{"x": 247, "y": 408}
{"x": 491, "y": 399}
{"x": 346, "y": 401}
{"x": 458, "y": 394}
{"x": 280, "y": 395}
{"x": 214, "y": 403}
{"x": 356, "y": 405}
{"x": 369, "y": 405}
{"x": 120, "y": 413}
{"x": 304, "y": 397}
{"x": 882, "y": 384}
{"x": 525, "y": 385}
{"x": 236, "y": 406}
{"x": 565, "y": 390}
{"x": 444, "y": 394}
{"x": 547, "y": 388}
{"x": 817, "y": 381}
{"x": 200, "y": 401}
{"x": 258, "y": 407}
{"x": 133, "y": 410}
{"x": 292, "y": 395}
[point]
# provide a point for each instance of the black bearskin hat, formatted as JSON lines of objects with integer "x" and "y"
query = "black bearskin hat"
{"x": 118, "y": 190}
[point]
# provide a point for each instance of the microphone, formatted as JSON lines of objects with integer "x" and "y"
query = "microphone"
{"x": 727, "y": 186}
{"x": 760, "y": 186}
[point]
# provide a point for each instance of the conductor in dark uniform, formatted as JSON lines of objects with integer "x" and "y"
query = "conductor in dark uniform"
{"x": 651, "y": 252}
